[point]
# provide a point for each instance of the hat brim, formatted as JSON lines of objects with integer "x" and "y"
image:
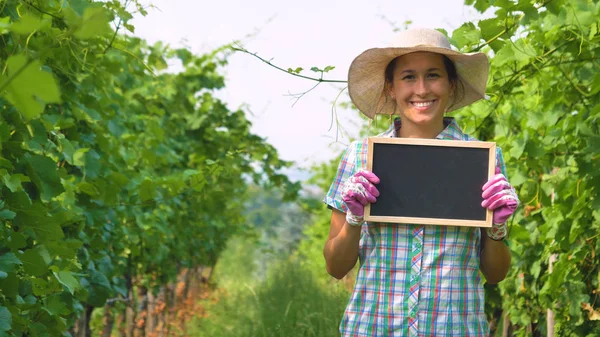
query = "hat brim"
{"x": 366, "y": 77}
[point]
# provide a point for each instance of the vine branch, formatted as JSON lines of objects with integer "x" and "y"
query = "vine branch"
{"x": 112, "y": 40}
{"x": 41, "y": 10}
{"x": 300, "y": 95}
{"x": 320, "y": 80}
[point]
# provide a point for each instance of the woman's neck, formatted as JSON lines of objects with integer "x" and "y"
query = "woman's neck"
{"x": 409, "y": 130}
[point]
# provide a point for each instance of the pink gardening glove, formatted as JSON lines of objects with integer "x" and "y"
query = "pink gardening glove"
{"x": 500, "y": 197}
{"x": 359, "y": 190}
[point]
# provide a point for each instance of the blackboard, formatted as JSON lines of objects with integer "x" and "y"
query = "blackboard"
{"x": 430, "y": 181}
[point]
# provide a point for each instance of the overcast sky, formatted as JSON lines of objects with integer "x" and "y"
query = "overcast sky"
{"x": 292, "y": 34}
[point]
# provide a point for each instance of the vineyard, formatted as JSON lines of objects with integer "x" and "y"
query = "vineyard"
{"x": 128, "y": 192}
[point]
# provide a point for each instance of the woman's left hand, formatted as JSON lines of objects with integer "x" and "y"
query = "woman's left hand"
{"x": 500, "y": 197}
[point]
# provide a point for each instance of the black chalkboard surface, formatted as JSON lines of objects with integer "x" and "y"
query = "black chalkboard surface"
{"x": 430, "y": 181}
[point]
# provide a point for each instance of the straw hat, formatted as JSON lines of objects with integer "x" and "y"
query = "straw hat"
{"x": 366, "y": 77}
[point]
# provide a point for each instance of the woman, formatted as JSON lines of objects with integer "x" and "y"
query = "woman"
{"x": 415, "y": 280}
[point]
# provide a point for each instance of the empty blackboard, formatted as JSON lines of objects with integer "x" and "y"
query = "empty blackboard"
{"x": 430, "y": 181}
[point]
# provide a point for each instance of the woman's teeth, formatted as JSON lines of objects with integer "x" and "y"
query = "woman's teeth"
{"x": 422, "y": 104}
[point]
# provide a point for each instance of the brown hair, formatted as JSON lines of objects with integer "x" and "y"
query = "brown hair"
{"x": 455, "y": 82}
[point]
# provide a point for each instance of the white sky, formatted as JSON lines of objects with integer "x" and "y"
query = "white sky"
{"x": 293, "y": 34}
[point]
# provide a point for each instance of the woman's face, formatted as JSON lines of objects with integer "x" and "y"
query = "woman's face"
{"x": 421, "y": 88}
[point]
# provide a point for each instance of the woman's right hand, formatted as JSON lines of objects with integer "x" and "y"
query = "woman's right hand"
{"x": 359, "y": 190}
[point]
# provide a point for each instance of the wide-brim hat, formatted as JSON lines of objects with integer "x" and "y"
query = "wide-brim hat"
{"x": 366, "y": 77}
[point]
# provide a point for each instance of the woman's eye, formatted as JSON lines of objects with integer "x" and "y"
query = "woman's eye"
{"x": 408, "y": 77}
{"x": 434, "y": 75}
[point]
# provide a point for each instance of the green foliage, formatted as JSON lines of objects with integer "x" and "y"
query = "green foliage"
{"x": 544, "y": 112}
{"x": 278, "y": 224}
{"x": 310, "y": 249}
{"x": 111, "y": 176}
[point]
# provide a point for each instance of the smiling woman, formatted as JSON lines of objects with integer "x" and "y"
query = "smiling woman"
{"x": 415, "y": 279}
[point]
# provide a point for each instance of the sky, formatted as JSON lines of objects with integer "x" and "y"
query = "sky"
{"x": 307, "y": 33}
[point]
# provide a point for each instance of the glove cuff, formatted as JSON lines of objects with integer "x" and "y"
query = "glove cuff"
{"x": 497, "y": 232}
{"x": 354, "y": 220}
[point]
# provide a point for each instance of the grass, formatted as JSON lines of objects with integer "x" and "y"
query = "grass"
{"x": 290, "y": 301}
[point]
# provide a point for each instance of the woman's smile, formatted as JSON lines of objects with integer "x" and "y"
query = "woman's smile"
{"x": 422, "y": 105}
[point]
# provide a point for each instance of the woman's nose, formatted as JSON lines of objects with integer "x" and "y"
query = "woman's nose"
{"x": 422, "y": 88}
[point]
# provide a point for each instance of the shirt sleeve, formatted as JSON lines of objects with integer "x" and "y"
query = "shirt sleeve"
{"x": 346, "y": 169}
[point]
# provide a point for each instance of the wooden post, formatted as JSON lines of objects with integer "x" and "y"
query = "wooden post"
{"x": 150, "y": 318}
{"x": 141, "y": 317}
{"x": 505, "y": 324}
{"x": 550, "y": 314}
{"x": 108, "y": 322}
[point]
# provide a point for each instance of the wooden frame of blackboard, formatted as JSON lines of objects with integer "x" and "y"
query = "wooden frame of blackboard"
{"x": 457, "y": 144}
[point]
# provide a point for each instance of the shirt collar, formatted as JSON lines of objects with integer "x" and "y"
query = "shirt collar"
{"x": 451, "y": 131}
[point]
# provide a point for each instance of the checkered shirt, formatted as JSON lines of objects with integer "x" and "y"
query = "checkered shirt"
{"x": 414, "y": 280}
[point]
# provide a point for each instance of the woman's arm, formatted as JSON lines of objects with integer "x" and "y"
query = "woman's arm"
{"x": 495, "y": 259}
{"x": 341, "y": 248}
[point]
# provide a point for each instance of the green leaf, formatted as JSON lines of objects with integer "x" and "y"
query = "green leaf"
{"x": 129, "y": 27}
{"x": 518, "y": 147}
{"x": 66, "y": 249}
{"x": 56, "y": 304}
{"x": 593, "y": 144}
{"x": 518, "y": 233}
{"x": 88, "y": 189}
{"x": 98, "y": 288}
{"x": 28, "y": 87}
{"x": 30, "y": 300}
{"x": 328, "y": 68}
{"x": 29, "y": 23}
{"x": 490, "y": 28}
{"x": 79, "y": 6}
{"x": 518, "y": 179}
{"x": 467, "y": 34}
{"x": 523, "y": 51}
{"x": 315, "y": 69}
{"x": 4, "y": 162}
{"x": 482, "y": 5}
{"x": 595, "y": 85}
{"x": 118, "y": 179}
{"x": 147, "y": 190}
{"x": 6, "y": 214}
{"x": 4, "y": 25}
{"x": 5, "y": 319}
{"x": 34, "y": 263}
{"x": 79, "y": 157}
{"x": 13, "y": 182}
{"x": 503, "y": 56}
{"x": 95, "y": 22}
{"x": 37, "y": 219}
{"x": 10, "y": 285}
{"x": 67, "y": 150}
{"x": 443, "y": 31}
{"x": 554, "y": 6}
{"x": 66, "y": 279}
{"x": 16, "y": 241}
{"x": 8, "y": 261}
{"x": 44, "y": 174}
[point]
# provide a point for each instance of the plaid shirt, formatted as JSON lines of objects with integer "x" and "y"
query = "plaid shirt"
{"x": 414, "y": 280}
